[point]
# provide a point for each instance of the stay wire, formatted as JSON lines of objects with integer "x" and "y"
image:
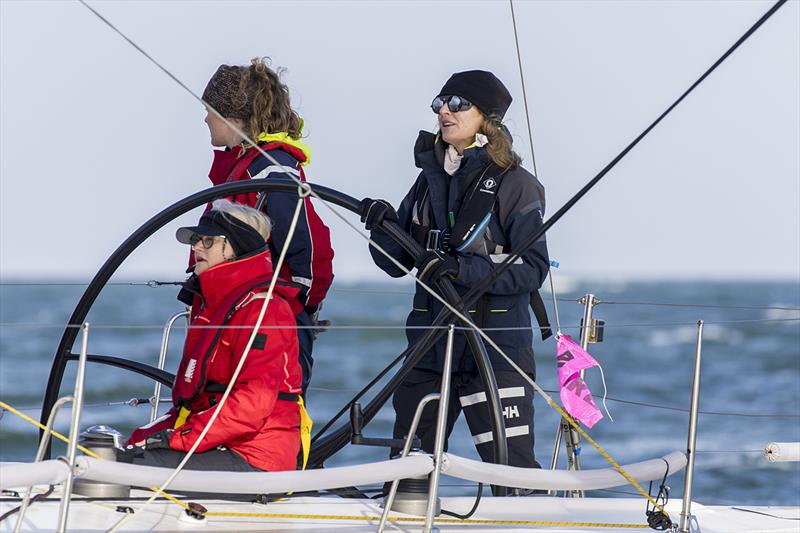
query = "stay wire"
{"x": 514, "y": 255}
{"x": 307, "y": 189}
{"x": 450, "y": 308}
{"x": 135, "y": 402}
{"x": 524, "y": 92}
{"x": 504, "y": 265}
{"x": 157, "y": 283}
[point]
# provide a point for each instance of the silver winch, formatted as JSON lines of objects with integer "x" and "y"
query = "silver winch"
{"x": 104, "y": 441}
{"x": 412, "y": 494}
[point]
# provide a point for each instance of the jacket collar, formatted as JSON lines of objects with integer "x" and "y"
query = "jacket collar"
{"x": 298, "y": 149}
{"x": 222, "y": 279}
{"x": 225, "y": 160}
{"x": 446, "y": 191}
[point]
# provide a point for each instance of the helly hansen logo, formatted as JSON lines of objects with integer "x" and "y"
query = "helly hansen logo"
{"x": 512, "y": 411}
{"x": 187, "y": 376}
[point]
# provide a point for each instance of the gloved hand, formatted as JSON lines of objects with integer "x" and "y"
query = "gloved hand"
{"x": 158, "y": 440}
{"x": 373, "y": 212}
{"x": 319, "y": 326}
{"x": 433, "y": 265}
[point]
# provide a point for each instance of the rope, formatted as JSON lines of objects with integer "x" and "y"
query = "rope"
{"x": 499, "y": 269}
{"x": 85, "y": 450}
{"x": 160, "y": 492}
{"x": 366, "y": 518}
{"x": 37, "y": 498}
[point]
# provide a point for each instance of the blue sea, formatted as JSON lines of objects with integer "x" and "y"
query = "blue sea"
{"x": 750, "y": 375}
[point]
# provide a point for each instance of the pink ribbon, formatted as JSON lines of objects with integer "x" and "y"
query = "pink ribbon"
{"x": 575, "y": 395}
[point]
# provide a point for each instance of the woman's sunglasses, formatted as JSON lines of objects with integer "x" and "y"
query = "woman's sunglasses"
{"x": 454, "y": 103}
{"x": 206, "y": 240}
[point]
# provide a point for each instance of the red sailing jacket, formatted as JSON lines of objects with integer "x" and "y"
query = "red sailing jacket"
{"x": 309, "y": 259}
{"x": 253, "y": 423}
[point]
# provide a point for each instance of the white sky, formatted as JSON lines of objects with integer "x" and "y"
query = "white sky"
{"x": 94, "y": 139}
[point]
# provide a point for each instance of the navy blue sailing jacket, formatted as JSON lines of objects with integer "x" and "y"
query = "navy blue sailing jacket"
{"x": 517, "y": 213}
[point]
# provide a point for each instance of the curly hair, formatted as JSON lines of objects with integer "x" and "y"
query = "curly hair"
{"x": 268, "y": 98}
{"x": 499, "y": 145}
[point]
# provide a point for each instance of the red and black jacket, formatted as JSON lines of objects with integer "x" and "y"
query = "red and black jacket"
{"x": 309, "y": 258}
{"x": 254, "y": 422}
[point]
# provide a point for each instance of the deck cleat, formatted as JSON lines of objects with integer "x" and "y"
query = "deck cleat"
{"x": 195, "y": 514}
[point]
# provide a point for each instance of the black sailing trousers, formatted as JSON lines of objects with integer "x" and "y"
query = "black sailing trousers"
{"x": 467, "y": 394}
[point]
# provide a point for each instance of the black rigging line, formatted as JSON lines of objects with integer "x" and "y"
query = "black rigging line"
{"x": 502, "y": 267}
{"x": 471, "y": 297}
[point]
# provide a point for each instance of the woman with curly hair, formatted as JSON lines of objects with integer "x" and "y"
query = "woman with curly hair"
{"x": 255, "y": 100}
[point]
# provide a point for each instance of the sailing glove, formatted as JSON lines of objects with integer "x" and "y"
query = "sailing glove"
{"x": 373, "y": 212}
{"x": 158, "y": 440}
{"x": 434, "y": 265}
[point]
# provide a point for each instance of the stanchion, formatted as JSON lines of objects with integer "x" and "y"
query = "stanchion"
{"x": 686, "y": 510}
{"x": 441, "y": 428}
{"x": 74, "y": 431}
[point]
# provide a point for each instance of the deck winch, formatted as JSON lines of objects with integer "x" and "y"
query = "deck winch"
{"x": 102, "y": 440}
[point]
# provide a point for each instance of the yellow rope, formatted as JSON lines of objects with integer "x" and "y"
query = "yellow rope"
{"x": 87, "y": 451}
{"x": 400, "y": 519}
{"x": 602, "y": 452}
{"x": 422, "y": 519}
{"x": 55, "y": 433}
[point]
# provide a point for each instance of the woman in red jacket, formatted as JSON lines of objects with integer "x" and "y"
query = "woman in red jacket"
{"x": 259, "y": 425}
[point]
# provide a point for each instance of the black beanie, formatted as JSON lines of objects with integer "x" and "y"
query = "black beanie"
{"x": 480, "y": 87}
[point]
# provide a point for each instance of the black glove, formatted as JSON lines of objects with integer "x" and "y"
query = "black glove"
{"x": 319, "y": 326}
{"x": 373, "y": 212}
{"x": 158, "y": 440}
{"x": 434, "y": 265}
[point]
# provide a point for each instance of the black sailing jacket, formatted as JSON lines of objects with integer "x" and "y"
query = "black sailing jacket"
{"x": 517, "y": 213}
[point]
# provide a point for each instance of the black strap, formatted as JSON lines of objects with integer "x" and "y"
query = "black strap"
{"x": 477, "y": 206}
{"x": 540, "y": 312}
{"x": 214, "y": 387}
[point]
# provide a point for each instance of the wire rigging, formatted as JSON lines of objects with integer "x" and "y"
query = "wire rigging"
{"x": 524, "y": 92}
{"x": 516, "y": 254}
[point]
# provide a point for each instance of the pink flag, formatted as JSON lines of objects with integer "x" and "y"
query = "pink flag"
{"x": 575, "y": 395}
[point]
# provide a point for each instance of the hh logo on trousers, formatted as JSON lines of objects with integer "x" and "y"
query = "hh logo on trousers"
{"x": 512, "y": 411}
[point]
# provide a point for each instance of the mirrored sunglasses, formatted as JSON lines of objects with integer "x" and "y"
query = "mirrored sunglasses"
{"x": 454, "y": 103}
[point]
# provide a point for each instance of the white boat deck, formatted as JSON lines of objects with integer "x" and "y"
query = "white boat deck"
{"x": 535, "y": 513}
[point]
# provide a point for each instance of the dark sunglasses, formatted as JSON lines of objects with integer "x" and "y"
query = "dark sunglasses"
{"x": 206, "y": 240}
{"x": 454, "y": 103}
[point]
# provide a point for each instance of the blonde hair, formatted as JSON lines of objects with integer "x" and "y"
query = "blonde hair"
{"x": 252, "y": 217}
{"x": 499, "y": 145}
{"x": 268, "y": 97}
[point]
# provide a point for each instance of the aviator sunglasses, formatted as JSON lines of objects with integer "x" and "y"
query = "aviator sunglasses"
{"x": 206, "y": 240}
{"x": 454, "y": 103}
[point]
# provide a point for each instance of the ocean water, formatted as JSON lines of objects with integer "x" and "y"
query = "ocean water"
{"x": 750, "y": 375}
